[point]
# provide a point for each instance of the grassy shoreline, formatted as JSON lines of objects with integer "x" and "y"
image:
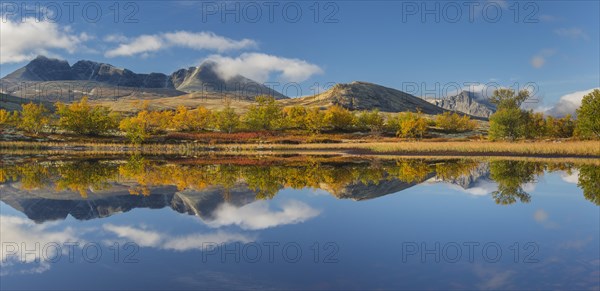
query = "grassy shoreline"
{"x": 587, "y": 149}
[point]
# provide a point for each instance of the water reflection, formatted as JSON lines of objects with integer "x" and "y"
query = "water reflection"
{"x": 172, "y": 208}
{"x": 217, "y": 190}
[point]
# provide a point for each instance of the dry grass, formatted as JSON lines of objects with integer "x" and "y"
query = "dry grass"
{"x": 539, "y": 148}
{"x": 423, "y": 148}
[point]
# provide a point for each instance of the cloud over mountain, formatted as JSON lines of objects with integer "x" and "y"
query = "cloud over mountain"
{"x": 149, "y": 43}
{"x": 567, "y": 104}
{"x": 259, "y": 67}
{"x": 23, "y": 40}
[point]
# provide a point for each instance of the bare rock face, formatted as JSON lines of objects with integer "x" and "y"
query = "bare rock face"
{"x": 468, "y": 103}
{"x": 100, "y": 72}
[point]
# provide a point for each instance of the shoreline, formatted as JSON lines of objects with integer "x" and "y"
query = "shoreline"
{"x": 539, "y": 149}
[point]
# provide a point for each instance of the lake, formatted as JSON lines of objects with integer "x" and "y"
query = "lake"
{"x": 299, "y": 222}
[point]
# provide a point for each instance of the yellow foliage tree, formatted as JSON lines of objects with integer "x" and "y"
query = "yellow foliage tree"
{"x": 33, "y": 118}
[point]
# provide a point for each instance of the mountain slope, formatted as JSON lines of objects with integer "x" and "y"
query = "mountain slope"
{"x": 367, "y": 96}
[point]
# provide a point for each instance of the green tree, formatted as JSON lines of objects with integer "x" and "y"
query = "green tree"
{"x": 506, "y": 98}
{"x": 82, "y": 118}
{"x": 588, "y": 116}
{"x": 510, "y": 177}
{"x": 33, "y": 118}
{"x": 371, "y": 120}
{"x": 589, "y": 181}
{"x": 339, "y": 118}
{"x": 510, "y": 121}
{"x": 227, "y": 120}
{"x": 265, "y": 115}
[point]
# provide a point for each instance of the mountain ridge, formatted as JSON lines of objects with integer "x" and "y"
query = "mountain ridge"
{"x": 203, "y": 78}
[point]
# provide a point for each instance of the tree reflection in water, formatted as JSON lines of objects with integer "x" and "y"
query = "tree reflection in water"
{"x": 266, "y": 179}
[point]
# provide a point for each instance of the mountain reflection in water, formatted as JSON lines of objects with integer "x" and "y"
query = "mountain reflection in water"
{"x": 47, "y": 190}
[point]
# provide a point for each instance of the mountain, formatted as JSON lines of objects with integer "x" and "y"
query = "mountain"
{"x": 205, "y": 78}
{"x": 53, "y": 78}
{"x": 43, "y": 69}
{"x": 367, "y": 96}
{"x": 468, "y": 103}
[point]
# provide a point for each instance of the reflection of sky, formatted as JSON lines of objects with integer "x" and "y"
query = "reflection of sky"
{"x": 370, "y": 235}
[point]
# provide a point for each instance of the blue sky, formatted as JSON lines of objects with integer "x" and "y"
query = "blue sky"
{"x": 553, "y": 44}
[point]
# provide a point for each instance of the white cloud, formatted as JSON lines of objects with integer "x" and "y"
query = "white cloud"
{"x": 150, "y": 238}
{"x": 145, "y": 44}
{"x": 540, "y": 216}
{"x": 482, "y": 187}
{"x": 257, "y": 215}
{"x": 259, "y": 67}
{"x": 574, "y": 33}
{"x": 24, "y": 40}
{"x": 567, "y": 104}
{"x": 20, "y": 231}
{"x": 115, "y": 38}
{"x": 143, "y": 237}
{"x": 572, "y": 178}
{"x": 540, "y": 59}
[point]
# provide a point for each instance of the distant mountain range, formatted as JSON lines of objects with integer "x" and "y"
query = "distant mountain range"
{"x": 54, "y": 80}
{"x": 57, "y": 76}
{"x": 467, "y": 102}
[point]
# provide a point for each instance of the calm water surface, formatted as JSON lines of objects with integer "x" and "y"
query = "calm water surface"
{"x": 298, "y": 223}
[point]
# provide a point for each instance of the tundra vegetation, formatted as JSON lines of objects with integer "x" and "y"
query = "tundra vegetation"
{"x": 509, "y": 123}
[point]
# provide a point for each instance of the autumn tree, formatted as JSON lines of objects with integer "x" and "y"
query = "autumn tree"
{"x": 314, "y": 121}
{"x": 588, "y": 116}
{"x": 141, "y": 126}
{"x": 5, "y": 117}
{"x": 559, "y": 127}
{"x": 265, "y": 115}
{"x": 82, "y": 118}
{"x": 194, "y": 120}
{"x": 294, "y": 117}
{"x": 339, "y": 118}
{"x": 33, "y": 118}
{"x": 454, "y": 123}
{"x": 411, "y": 125}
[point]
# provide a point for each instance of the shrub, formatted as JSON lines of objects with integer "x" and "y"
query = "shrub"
{"x": 453, "y": 123}
{"x": 339, "y": 118}
{"x": 33, "y": 118}
{"x": 81, "y": 118}
{"x": 314, "y": 120}
{"x": 411, "y": 125}
{"x": 266, "y": 115}
{"x": 371, "y": 120}
{"x": 227, "y": 120}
